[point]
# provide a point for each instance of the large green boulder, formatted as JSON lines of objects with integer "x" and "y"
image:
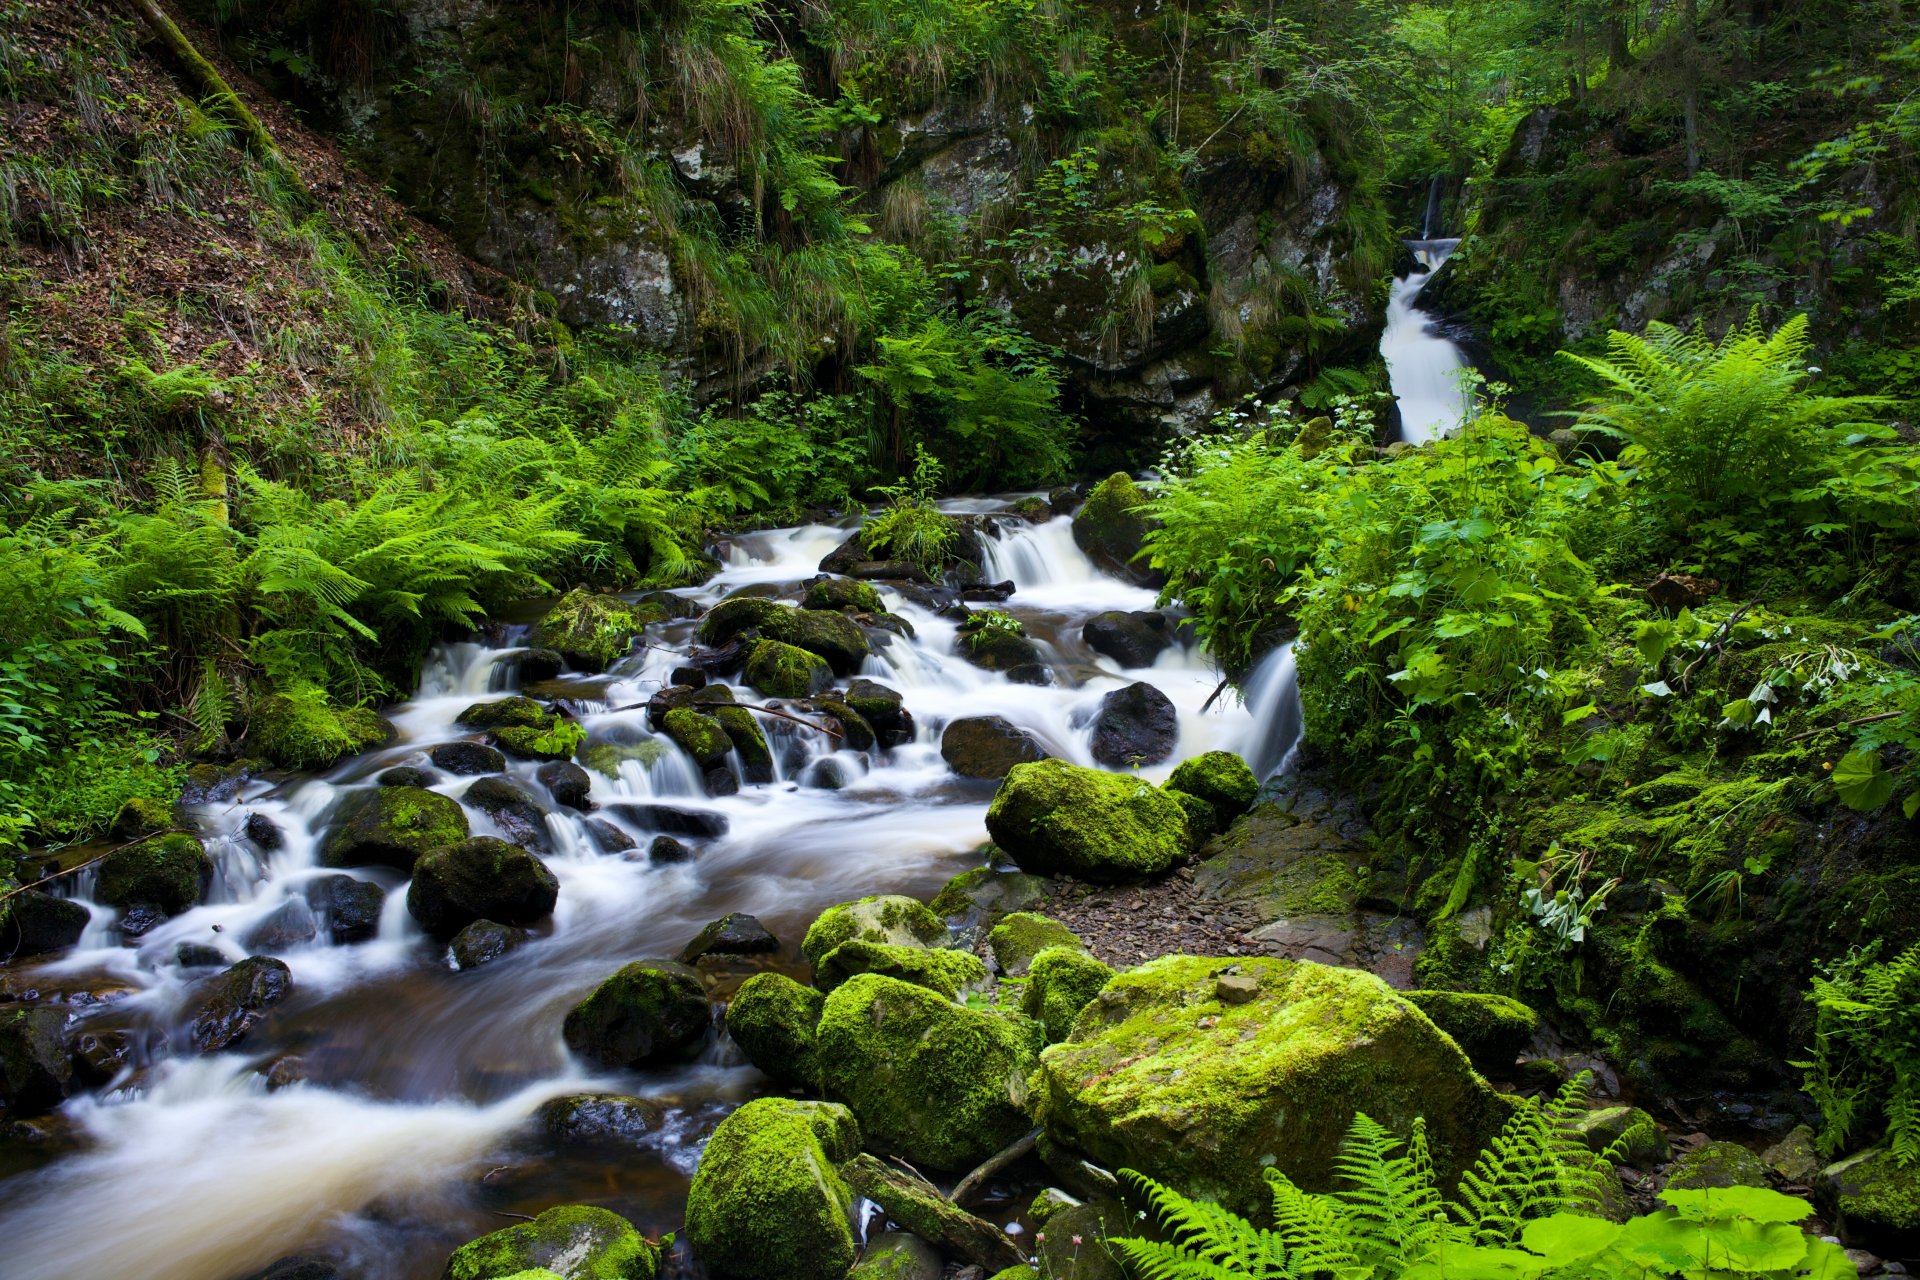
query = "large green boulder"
{"x": 888, "y": 918}
{"x": 1874, "y": 1196}
{"x": 946, "y": 971}
{"x": 169, "y": 872}
{"x": 1220, "y": 778}
{"x": 480, "y": 879}
{"x": 774, "y": 1020}
{"x": 1021, "y": 936}
{"x": 767, "y": 1202}
{"x": 651, "y": 1013}
{"x": 1060, "y": 983}
{"x": 786, "y": 671}
{"x": 1058, "y": 819}
{"x": 833, "y": 636}
{"x": 304, "y": 729}
{"x": 1203, "y": 1072}
{"x": 936, "y": 1082}
{"x": 593, "y": 631}
{"x": 700, "y": 736}
{"x": 1111, "y": 528}
{"x": 730, "y": 618}
{"x": 574, "y": 1242}
{"x": 391, "y": 827}
{"x": 1492, "y": 1029}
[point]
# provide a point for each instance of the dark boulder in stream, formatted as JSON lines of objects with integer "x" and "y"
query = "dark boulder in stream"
{"x": 480, "y": 879}
{"x": 672, "y": 820}
{"x": 651, "y": 1013}
{"x": 36, "y": 923}
{"x": 391, "y": 827}
{"x": 599, "y": 1119}
{"x": 987, "y": 746}
{"x": 1135, "y": 725}
{"x": 1131, "y": 639}
{"x": 231, "y": 1004}
{"x": 734, "y": 934}
{"x": 1111, "y": 529}
{"x": 483, "y": 942}
{"x": 567, "y": 783}
{"x": 36, "y": 1068}
{"x": 517, "y": 814}
{"x": 289, "y": 924}
{"x": 467, "y": 759}
{"x": 350, "y": 907}
{"x": 168, "y": 873}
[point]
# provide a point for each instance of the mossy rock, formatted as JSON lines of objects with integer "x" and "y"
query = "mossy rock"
{"x": 1220, "y": 778}
{"x": 781, "y": 670}
{"x": 1203, "y": 821}
{"x": 1202, "y": 1073}
{"x": 700, "y": 736}
{"x": 514, "y": 712}
{"x": 306, "y": 731}
{"x": 938, "y": 1083}
{"x": 897, "y": 1255}
{"x": 856, "y": 733}
{"x": 774, "y": 1021}
{"x": 1876, "y": 1198}
{"x": 945, "y": 971}
{"x": 140, "y": 816}
{"x": 1058, "y": 819}
{"x": 996, "y": 649}
{"x": 730, "y": 618}
{"x": 767, "y": 1202}
{"x": 575, "y": 1241}
{"x": 480, "y": 879}
{"x": 1628, "y": 1132}
{"x": 1717, "y": 1164}
{"x": 555, "y": 741}
{"x": 832, "y": 636}
{"x": 1110, "y": 528}
{"x": 1061, "y": 981}
{"x": 844, "y": 593}
{"x": 170, "y": 872}
{"x": 1492, "y": 1029}
{"x": 391, "y": 827}
{"x": 889, "y": 918}
{"x": 1019, "y": 937}
{"x": 988, "y": 893}
{"x": 743, "y": 729}
{"x": 593, "y": 631}
{"x": 36, "y": 1060}
{"x": 650, "y": 1013}
{"x": 605, "y": 758}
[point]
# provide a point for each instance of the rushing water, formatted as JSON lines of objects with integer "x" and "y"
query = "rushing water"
{"x": 410, "y": 1129}
{"x": 1424, "y": 367}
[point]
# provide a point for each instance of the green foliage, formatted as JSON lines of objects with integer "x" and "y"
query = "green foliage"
{"x": 983, "y": 625}
{"x": 912, "y": 528}
{"x": 1865, "y": 1070}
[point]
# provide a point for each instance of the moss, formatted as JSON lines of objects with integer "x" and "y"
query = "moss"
{"x": 1625, "y": 1134}
{"x": 593, "y": 631}
{"x": 650, "y": 1013}
{"x": 141, "y": 816}
{"x": 391, "y": 826}
{"x": 946, "y": 971}
{"x": 1491, "y": 1029}
{"x": 700, "y": 736}
{"x": 856, "y": 733}
{"x": 305, "y": 730}
{"x": 1717, "y": 1164}
{"x": 1220, "y": 778}
{"x": 766, "y": 1202}
{"x": 517, "y": 711}
{"x": 844, "y": 593}
{"x": 781, "y": 670}
{"x": 1875, "y": 1195}
{"x": 773, "y": 1020}
{"x": 169, "y": 872}
{"x": 930, "y": 1080}
{"x": 731, "y": 617}
{"x": 1060, "y": 983}
{"x": 606, "y": 757}
{"x": 557, "y": 741}
{"x": 743, "y": 730}
{"x": 875, "y": 702}
{"x": 1108, "y": 526}
{"x": 581, "y": 1241}
{"x": 1055, "y": 818}
{"x": 889, "y": 918}
{"x": 833, "y": 636}
{"x": 989, "y": 891}
{"x": 1202, "y": 822}
{"x": 1019, "y": 937}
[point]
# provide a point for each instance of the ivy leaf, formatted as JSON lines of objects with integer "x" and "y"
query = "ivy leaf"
{"x": 1860, "y": 782}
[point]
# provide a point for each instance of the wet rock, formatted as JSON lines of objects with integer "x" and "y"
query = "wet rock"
{"x": 670, "y": 605}
{"x": 350, "y": 907}
{"x": 884, "y": 709}
{"x": 480, "y": 879}
{"x": 774, "y": 1021}
{"x": 844, "y": 593}
{"x": 297, "y": 1267}
{"x": 767, "y": 1202}
{"x": 987, "y": 746}
{"x": 567, "y": 783}
{"x": 1627, "y": 1133}
{"x": 889, "y": 918}
{"x": 1034, "y": 509}
{"x": 599, "y": 1119}
{"x": 141, "y": 919}
{"x": 593, "y": 631}
{"x": 1136, "y": 725}
{"x": 989, "y": 592}
{"x": 214, "y": 783}
{"x": 1021, "y": 936}
{"x": 231, "y": 1004}
{"x": 482, "y": 942}
{"x": 404, "y": 775}
{"x": 1132, "y": 639}
{"x": 1717, "y": 1164}
{"x": 786, "y": 671}
{"x": 700, "y": 736}
{"x": 521, "y": 727}
{"x": 665, "y": 849}
{"x": 855, "y": 733}
{"x": 1796, "y": 1157}
{"x": 98, "y": 1056}
{"x": 687, "y": 678}
{"x": 261, "y": 829}
{"x": 1164, "y": 1076}
{"x": 1054, "y": 818}
{"x": 467, "y": 759}
{"x": 1038, "y": 674}
{"x": 895, "y": 1255}
{"x": 575, "y": 1242}
{"x": 391, "y": 827}
{"x": 140, "y": 816}
{"x": 35, "y": 923}
{"x": 734, "y": 934}
{"x": 720, "y": 780}
{"x": 1220, "y": 778}
{"x": 536, "y": 666}
{"x": 997, "y": 649}
{"x": 284, "y": 1072}
{"x": 1093, "y": 1225}
{"x": 825, "y": 774}
{"x": 735, "y": 616}
{"x": 918, "y": 1206}
{"x": 609, "y": 838}
{"x": 1061, "y": 981}
{"x": 1111, "y": 530}
{"x": 290, "y": 924}
{"x": 832, "y": 636}
{"x": 947, "y": 971}
{"x": 1491, "y": 1029}
{"x": 987, "y": 893}
{"x": 886, "y": 571}
{"x": 517, "y": 814}
{"x": 749, "y": 743}
{"x": 198, "y": 955}
{"x": 673, "y": 820}
{"x": 36, "y": 1066}
{"x": 167, "y": 873}
{"x": 651, "y": 1013}
{"x": 930, "y": 1080}
{"x": 1874, "y": 1197}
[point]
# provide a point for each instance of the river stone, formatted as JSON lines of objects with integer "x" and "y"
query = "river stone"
{"x": 1054, "y": 819}
{"x": 1061, "y": 981}
{"x": 1874, "y": 1196}
{"x": 917, "y": 1205}
{"x": 1022, "y": 935}
{"x": 480, "y": 879}
{"x": 351, "y": 907}
{"x": 734, "y": 934}
{"x": 1796, "y": 1157}
{"x": 896, "y": 1255}
{"x": 567, "y": 783}
{"x": 1111, "y": 530}
{"x": 786, "y": 671}
{"x": 599, "y": 1119}
{"x": 231, "y": 1004}
{"x": 884, "y": 709}
{"x": 890, "y": 918}
{"x": 404, "y": 775}
{"x": 467, "y": 759}
{"x": 517, "y": 814}
{"x": 592, "y": 631}
{"x": 609, "y": 838}
{"x": 665, "y": 849}
{"x": 1132, "y": 639}
{"x": 844, "y": 593}
{"x": 855, "y": 733}
{"x": 1491, "y": 1029}
{"x": 483, "y": 942}
{"x": 574, "y": 1242}
{"x": 168, "y": 873}
{"x": 651, "y": 1013}
{"x": 987, "y": 893}
{"x": 987, "y": 746}
{"x": 199, "y": 955}
{"x": 1136, "y": 725}
{"x": 391, "y": 827}
{"x": 36, "y": 1068}
{"x": 700, "y": 736}
{"x": 774, "y": 1021}
{"x": 264, "y": 833}
{"x": 736, "y": 615}
{"x": 886, "y": 571}
{"x": 832, "y": 636}
{"x": 35, "y": 923}
{"x": 289, "y": 925}
{"x": 947, "y": 971}
{"x": 749, "y": 743}
{"x": 767, "y": 1202}
{"x": 1163, "y": 1075}
{"x": 998, "y": 650}
{"x": 516, "y": 712}
{"x": 933, "y": 1081}
{"x": 537, "y": 666}
{"x": 99, "y": 1056}
{"x": 297, "y": 1267}
{"x": 1715, "y": 1165}
{"x": 1220, "y": 778}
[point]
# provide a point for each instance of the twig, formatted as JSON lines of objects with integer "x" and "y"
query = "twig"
{"x": 82, "y": 866}
{"x": 1844, "y": 724}
{"x": 508, "y": 1213}
{"x": 1217, "y": 691}
{"x": 992, "y": 1165}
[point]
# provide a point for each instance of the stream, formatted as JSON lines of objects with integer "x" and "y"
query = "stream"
{"x": 406, "y": 1128}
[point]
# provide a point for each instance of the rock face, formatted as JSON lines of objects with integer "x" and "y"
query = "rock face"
{"x": 1136, "y": 725}
{"x": 35, "y": 923}
{"x": 1202, "y": 1086}
{"x": 480, "y": 879}
{"x": 651, "y": 1013}
{"x": 889, "y": 918}
{"x": 168, "y": 872}
{"x": 930, "y": 1080}
{"x": 767, "y": 1202}
{"x": 36, "y": 1068}
{"x": 577, "y": 1242}
{"x": 1057, "y": 819}
{"x": 391, "y": 827}
{"x": 592, "y": 631}
{"x": 1131, "y": 639}
{"x": 775, "y": 1022}
{"x": 1111, "y": 530}
{"x": 987, "y": 746}
{"x": 233, "y": 1003}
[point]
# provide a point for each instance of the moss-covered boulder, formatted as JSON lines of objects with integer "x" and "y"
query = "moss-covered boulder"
{"x": 557, "y": 740}
{"x": 140, "y": 816}
{"x": 700, "y": 736}
{"x": 833, "y": 636}
{"x": 844, "y": 593}
{"x": 1111, "y": 529}
{"x": 501, "y": 713}
{"x": 33, "y": 923}
{"x": 1021, "y": 936}
{"x": 36, "y": 1064}
{"x": 1202, "y": 822}
{"x": 774, "y": 1020}
{"x": 391, "y": 827}
{"x": 987, "y": 893}
{"x": 1717, "y": 1164}
{"x": 480, "y": 879}
{"x": 1492, "y": 1029}
{"x": 575, "y": 1242}
{"x": 1203, "y": 1072}
{"x": 948, "y": 972}
{"x": 930, "y": 1080}
{"x": 987, "y": 746}
{"x": 918, "y": 1206}
{"x": 651, "y": 1013}
{"x": 887, "y": 918}
{"x": 1628, "y": 1135}
{"x": 749, "y": 742}
{"x": 304, "y": 729}
{"x": 1058, "y": 819}
{"x": 767, "y": 1202}
{"x": 593, "y": 631}
{"x": 169, "y": 872}
{"x": 884, "y": 709}
{"x": 896, "y": 1255}
{"x": 732, "y": 617}
{"x": 1220, "y": 778}
{"x": 856, "y": 733}
{"x": 1061, "y": 982}
{"x": 782, "y": 670}
{"x": 1874, "y": 1197}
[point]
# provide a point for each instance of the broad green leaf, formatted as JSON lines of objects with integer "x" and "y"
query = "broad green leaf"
{"x": 1860, "y": 782}
{"x": 1757, "y": 1203}
{"x": 1567, "y": 1236}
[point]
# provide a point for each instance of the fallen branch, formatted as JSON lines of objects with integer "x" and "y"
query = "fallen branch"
{"x": 1217, "y": 691}
{"x": 1718, "y": 644}
{"x": 993, "y": 1164}
{"x": 1844, "y": 724}
{"x": 82, "y": 866}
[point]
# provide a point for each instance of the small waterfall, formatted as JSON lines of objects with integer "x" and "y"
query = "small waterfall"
{"x": 1423, "y": 367}
{"x": 1272, "y": 698}
{"x": 1049, "y": 570}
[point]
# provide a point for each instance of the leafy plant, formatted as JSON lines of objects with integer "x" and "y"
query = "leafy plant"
{"x": 983, "y": 625}
{"x": 1865, "y": 1068}
{"x": 912, "y": 528}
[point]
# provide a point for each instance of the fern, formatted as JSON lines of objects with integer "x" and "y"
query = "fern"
{"x": 1393, "y": 1209}
{"x": 1866, "y": 1056}
{"x": 1537, "y": 1166}
{"x": 1204, "y": 1240}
